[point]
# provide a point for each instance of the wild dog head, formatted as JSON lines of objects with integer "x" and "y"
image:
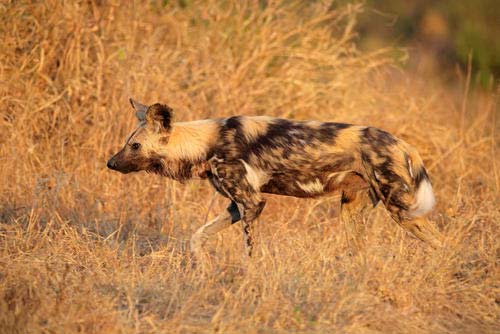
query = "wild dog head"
{"x": 142, "y": 146}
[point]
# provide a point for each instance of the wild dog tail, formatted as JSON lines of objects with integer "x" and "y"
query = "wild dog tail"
{"x": 398, "y": 177}
{"x": 424, "y": 199}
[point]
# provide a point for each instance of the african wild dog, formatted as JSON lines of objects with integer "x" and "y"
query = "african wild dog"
{"x": 245, "y": 156}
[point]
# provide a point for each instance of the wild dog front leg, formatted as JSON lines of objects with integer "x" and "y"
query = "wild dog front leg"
{"x": 224, "y": 220}
{"x": 250, "y": 204}
{"x": 251, "y": 212}
{"x": 232, "y": 181}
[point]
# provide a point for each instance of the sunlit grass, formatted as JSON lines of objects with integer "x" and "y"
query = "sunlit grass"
{"x": 83, "y": 249}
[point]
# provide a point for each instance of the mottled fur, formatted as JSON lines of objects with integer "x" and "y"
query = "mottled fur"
{"x": 245, "y": 156}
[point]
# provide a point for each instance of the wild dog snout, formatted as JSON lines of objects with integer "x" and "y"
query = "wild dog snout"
{"x": 112, "y": 163}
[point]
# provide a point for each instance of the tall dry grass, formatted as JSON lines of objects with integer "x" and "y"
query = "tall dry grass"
{"x": 83, "y": 249}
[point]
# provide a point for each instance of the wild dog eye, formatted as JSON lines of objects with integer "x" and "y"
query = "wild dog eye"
{"x": 136, "y": 146}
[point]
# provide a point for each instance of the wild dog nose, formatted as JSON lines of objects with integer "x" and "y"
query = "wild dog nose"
{"x": 111, "y": 164}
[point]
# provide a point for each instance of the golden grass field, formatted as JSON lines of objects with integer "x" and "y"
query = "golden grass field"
{"x": 84, "y": 249}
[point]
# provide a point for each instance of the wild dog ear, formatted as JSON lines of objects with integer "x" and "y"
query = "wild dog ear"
{"x": 140, "y": 110}
{"x": 159, "y": 115}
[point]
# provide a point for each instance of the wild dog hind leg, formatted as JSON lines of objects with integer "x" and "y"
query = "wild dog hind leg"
{"x": 410, "y": 208}
{"x": 355, "y": 201}
{"x": 353, "y": 208}
{"x": 423, "y": 229}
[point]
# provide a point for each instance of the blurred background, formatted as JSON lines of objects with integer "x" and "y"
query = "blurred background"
{"x": 440, "y": 36}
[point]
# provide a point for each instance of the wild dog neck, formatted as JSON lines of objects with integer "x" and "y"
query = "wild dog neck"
{"x": 185, "y": 153}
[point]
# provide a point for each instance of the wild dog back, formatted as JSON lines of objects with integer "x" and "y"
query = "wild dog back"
{"x": 295, "y": 158}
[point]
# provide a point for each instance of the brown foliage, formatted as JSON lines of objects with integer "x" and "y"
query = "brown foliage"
{"x": 83, "y": 249}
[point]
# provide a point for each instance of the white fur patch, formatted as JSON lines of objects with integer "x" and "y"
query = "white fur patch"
{"x": 338, "y": 176}
{"x": 255, "y": 176}
{"x": 424, "y": 199}
{"x": 410, "y": 169}
{"x": 313, "y": 187}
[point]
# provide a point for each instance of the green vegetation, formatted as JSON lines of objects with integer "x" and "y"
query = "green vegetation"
{"x": 449, "y": 30}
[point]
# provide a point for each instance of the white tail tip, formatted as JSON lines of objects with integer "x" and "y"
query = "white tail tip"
{"x": 424, "y": 199}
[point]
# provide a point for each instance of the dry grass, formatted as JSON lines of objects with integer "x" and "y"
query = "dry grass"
{"x": 83, "y": 249}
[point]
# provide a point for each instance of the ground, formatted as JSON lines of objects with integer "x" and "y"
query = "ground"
{"x": 84, "y": 249}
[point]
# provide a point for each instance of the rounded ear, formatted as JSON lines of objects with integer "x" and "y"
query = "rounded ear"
{"x": 140, "y": 110}
{"x": 160, "y": 115}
